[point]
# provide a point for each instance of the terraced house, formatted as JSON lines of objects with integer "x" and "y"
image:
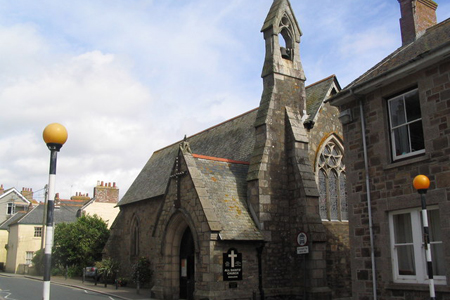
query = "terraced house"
{"x": 397, "y": 126}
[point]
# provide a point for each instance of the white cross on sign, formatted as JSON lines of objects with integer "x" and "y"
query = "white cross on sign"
{"x": 232, "y": 255}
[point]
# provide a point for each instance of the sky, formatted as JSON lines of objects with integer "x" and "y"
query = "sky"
{"x": 128, "y": 77}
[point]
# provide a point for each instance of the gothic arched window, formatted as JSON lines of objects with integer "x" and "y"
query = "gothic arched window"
{"x": 134, "y": 238}
{"x": 286, "y": 36}
{"x": 331, "y": 182}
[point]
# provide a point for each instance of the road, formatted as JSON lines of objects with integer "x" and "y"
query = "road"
{"x": 20, "y": 288}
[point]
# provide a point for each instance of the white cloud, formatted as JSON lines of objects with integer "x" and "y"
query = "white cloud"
{"x": 93, "y": 94}
{"x": 129, "y": 77}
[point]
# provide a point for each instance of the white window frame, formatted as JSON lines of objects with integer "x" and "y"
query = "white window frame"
{"x": 29, "y": 257}
{"x": 10, "y": 209}
{"x": 421, "y": 276}
{"x": 406, "y": 124}
{"x": 38, "y": 231}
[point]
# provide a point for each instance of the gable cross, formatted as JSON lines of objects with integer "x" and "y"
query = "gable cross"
{"x": 177, "y": 174}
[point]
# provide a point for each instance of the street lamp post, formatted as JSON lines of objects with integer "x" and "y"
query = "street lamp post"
{"x": 55, "y": 135}
{"x": 421, "y": 183}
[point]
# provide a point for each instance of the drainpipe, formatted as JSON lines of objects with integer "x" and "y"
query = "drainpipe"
{"x": 369, "y": 204}
{"x": 260, "y": 275}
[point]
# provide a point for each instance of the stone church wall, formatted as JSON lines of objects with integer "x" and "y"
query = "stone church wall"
{"x": 119, "y": 245}
{"x": 338, "y": 259}
{"x": 338, "y": 244}
{"x": 326, "y": 124}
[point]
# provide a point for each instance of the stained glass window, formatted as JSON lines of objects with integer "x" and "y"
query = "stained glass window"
{"x": 322, "y": 195}
{"x": 331, "y": 182}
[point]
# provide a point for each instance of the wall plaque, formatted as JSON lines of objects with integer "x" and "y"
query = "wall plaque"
{"x": 232, "y": 265}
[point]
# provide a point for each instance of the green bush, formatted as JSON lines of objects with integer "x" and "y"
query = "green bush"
{"x": 142, "y": 270}
{"x": 38, "y": 262}
{"x": 107, "y": 268}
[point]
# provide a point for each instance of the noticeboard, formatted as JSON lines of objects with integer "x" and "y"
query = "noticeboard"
{"x": 232, "y": 265}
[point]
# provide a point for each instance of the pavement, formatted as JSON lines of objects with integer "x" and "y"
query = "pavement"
{"x": 126, "y": 293}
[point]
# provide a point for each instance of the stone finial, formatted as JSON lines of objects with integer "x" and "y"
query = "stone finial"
{"x": 185, "y": 147}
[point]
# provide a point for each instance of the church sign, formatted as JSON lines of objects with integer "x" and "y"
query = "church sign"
{"x": 232, "y": 265}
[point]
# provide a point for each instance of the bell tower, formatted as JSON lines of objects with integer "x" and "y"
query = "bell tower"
{"x": 282, "y": 192}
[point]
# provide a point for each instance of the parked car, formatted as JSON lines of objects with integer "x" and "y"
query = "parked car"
{"x": 91, "y": 272}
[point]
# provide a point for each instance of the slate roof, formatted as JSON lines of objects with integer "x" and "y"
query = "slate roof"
{"x": 227, "y": 190}
{"x": 316, "y": 93}
{"x": 12, "y": 219}
{"x": 67, "y": 214}
{"x": 225, "y": 182}
{"x": 434, "y": 38}
{"x": 233, "y": 139}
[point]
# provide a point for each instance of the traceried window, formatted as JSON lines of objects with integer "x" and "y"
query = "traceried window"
{"x": 37, "y": 231}
{"x": 331, "y": 182}
{"x": 406, "y": 125}
{"x": 286, "y": 35}
{"x": 408, "y": 249}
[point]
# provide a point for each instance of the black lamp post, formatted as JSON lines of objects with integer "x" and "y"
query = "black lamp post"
{"x": 421, "y": 183}
{"x": 55, "y": 135}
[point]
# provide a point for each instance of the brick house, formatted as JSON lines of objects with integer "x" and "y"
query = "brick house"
{"x": 233, "y": 211}
{"x": 396, "y": 120}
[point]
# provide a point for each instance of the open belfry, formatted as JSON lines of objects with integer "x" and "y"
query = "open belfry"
{"x": 233, "y": 211}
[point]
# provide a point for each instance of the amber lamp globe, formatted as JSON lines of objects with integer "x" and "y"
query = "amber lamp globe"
{"x": 421, "y": 183}
{"x": 55, "y": 135}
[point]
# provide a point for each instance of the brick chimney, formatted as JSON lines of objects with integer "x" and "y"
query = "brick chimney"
{"x": 57, "y": 200}
{"x": 106, "y": 192}
{"x": 416, "y": 17}
{"x": 27, "y": 193}
{"x": 2, "y": 190}
{"x": 80, "y": 196}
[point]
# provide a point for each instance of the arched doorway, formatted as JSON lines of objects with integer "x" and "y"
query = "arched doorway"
{"x": 187, "y": 265}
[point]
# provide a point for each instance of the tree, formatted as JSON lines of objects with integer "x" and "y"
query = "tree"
{"x": 80, "y": 243}
{"x": 38, "y": 261}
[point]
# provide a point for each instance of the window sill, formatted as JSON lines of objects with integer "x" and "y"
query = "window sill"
{"x": 406, "y": 162}
{"x": 335, "y": 221}
{"x": 416, "y": 287}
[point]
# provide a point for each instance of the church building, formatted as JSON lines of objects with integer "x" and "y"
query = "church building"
{"x": 235, "y": 212}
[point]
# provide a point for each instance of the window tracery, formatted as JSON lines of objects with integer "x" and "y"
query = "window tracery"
{"x": 287, "y": 36}
{"x": 331, "y": 182}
